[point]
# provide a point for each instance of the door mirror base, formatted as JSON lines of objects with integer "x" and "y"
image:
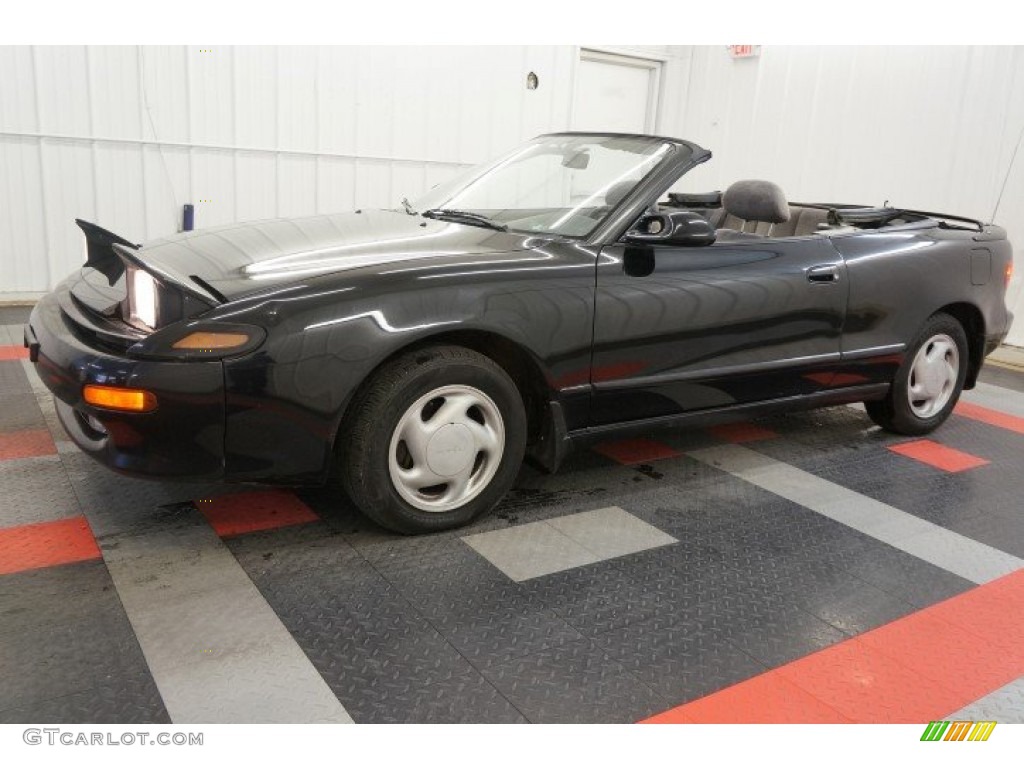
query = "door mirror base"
{"x": 677, "y": 228}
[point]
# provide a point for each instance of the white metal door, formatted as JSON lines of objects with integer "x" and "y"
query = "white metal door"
{"x": 615, "y": 93}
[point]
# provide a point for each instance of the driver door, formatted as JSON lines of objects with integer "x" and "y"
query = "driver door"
{"x": 681, "y": 329}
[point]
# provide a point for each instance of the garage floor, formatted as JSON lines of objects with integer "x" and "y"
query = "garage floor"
{"x": 806, "y": 568}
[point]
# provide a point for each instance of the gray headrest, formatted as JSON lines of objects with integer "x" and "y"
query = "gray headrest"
{"x": 755, "y": 200}
{"x": 614, "y": 194}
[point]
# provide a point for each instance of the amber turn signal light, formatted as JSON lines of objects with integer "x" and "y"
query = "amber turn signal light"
{"x": 208, "y": 341}
{"x": 119, "y": 398}
{"x": 1009, "y": 272}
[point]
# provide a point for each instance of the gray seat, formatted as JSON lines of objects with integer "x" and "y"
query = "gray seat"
{"x": 753, "y": 207}
{"x": 616, "y": 192}
{"x": 757, "y": 208}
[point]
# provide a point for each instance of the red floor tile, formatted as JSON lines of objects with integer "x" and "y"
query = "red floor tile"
{"x": 997, "y": 615}
{"x": 11, "y": 352}
{"x": 636, "y": 451}
{"x": 913, "y": 670}
{"x": 741, "y": 432}
{"x": 41, "y": 545}
{"x": 935, "y": 649}
{"x": 990, "y": 416}
{"x": 939, "y": 456}
{"x": 767, "y": 698}
{"x": 868, "y": 686}
{"x": 26, "y": 443}
{"x": 255, "y": 511}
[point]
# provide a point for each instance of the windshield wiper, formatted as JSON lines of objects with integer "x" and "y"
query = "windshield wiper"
{"x": 464, "y": 217}
{"x": 408, "y": 206}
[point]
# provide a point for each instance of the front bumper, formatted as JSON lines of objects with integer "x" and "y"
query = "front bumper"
{"x": 182, "y": 438}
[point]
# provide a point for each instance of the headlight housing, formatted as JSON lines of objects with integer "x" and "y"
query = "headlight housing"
{"x": 143, "y": 299}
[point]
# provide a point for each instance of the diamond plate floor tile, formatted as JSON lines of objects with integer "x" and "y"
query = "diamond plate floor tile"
{"x": 768, "y": 698}
{"x": 910, "y": 579}
{"x": 467, "y": 698}
{"x": 679, "y": 662}
{"x": 867, "y": 686}
{"x": 379, "y": 654}
{"x": 1005, "y": 705}
{"x": 610, "y": 532}
{"x": 598, "y": 598}
{"x": 13, "y": 380}
{"x": 26, "y": 443}
{"x": 42, "y": 662}
{"x": 574, "y": 683}
{"x": 35, "y": 490}
{"x": 531, "y": 550}
{"x": 121, "y": 704}
{"x": 14, "y": 318}
{"x": 496, "y": 636}
{"x": 18, "y": 408}
{"x": 784, "y": 636}
{"x": 249, "y": 511}
{"x": 854, "y": 606}
{"x": 998, "y": 527}
{"x": 992, "y": 375}
{"x": 64, "y": 594}
{"x": 959, "y": 660}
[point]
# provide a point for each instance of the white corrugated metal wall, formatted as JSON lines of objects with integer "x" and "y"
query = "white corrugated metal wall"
{"x": 932, "y": 128}
{"x": 124, "y": 136}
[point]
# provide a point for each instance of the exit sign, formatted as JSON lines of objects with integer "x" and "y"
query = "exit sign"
{"x": 744, "y": 51}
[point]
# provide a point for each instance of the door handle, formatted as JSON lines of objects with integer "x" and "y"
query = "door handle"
{"x": 828, "y": 273}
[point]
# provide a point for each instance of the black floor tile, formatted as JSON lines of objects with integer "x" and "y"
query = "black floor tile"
{"x": 575, "y": 683}
{"x": 680, "y": 662}
{"x": 1002, "y": 377}
{"x": 853, "y": 606}
{"x": 107, "y": 703}
{"x": 907, "y": 577}
{"x": 13, "y": 380}
{"x": 18, "y": 410}
{"x": 16, "y": 315}
{"x": 468, "y": 698}
{"x": 94, "y": 654}
{"x": 784, "y": 636}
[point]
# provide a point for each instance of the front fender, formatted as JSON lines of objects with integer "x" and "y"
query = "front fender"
{"x": 286, "y": 402}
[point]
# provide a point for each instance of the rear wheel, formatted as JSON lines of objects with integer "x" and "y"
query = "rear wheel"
{"x": 928, "y": 383}
{"x": 435, "y": 440}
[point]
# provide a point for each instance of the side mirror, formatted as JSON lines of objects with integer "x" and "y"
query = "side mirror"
{"x": 678, "y": 228}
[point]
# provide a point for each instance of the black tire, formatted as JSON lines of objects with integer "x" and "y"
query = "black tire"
{"x": 365, "y": 437}
{"x": 894, "y": 412}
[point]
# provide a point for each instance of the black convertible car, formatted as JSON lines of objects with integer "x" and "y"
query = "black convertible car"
{"x": 554, "y": 295}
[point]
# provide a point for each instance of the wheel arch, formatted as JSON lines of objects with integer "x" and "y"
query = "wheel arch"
{"x": 970, "y": 317}
{"x": 522, "y": 366}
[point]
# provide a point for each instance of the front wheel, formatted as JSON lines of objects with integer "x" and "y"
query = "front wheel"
{"x": 928, "y": 383}
{"x": 435, "y": 439}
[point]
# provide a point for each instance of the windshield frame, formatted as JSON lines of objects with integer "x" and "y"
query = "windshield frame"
{"x": 680, "y": 157}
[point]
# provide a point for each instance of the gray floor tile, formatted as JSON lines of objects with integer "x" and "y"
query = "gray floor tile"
{"x": 557, "y": 544}
{"x": 1005, "y": 705}
{"x": 531, "y": 550}
{"x": 610, "y": 532}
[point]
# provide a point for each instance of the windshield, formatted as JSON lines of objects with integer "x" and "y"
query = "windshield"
{"x": 555, "y": 185}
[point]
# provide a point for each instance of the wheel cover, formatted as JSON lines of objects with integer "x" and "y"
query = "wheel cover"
{"x": 446, "y": 448}
{"x": 933, "y": 376}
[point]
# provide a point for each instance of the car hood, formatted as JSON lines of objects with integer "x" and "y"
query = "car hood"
{"x": 241, "y": 259}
